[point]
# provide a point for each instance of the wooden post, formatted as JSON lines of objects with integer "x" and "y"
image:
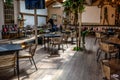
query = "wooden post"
{"x": 80, "y": 26}
{"x": 35, "y": 21}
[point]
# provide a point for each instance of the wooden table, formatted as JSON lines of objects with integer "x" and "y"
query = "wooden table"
{"x": 48, "y": 36}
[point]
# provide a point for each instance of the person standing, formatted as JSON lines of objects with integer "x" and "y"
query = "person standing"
{"x": 51, "y": 22}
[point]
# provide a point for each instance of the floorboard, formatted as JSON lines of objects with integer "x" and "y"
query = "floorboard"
{"x": 70, "y": 65}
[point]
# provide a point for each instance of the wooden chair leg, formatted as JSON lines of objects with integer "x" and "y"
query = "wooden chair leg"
{"x": 34, "y": 63}
{"x": 110, "y": 56}
{"x": 104, "y": 78}
{"x": 98, "y": 57}
{"x": 30, "y": 61}
{"x": 66, "y": 43}
{"x": 95, "y": 41}
{"x": 14, "y": 71}
{"x": 62, "y": 48}
{"x": 97, "y": 51}
{"x": 53, "y": 47}
{"x": 106, "y": 56}
{"x": 116, "y": 55}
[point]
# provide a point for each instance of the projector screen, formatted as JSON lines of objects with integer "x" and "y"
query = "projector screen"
{"x": 91, "y": 15}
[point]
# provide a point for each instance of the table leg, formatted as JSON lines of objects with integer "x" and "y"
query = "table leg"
{"x": 44, "y": 43}
{"x": 72, "y": 40}
{"x": 18, "y": 64}
{"x": 119, "y": 55}
{"x": 48, "y": 43}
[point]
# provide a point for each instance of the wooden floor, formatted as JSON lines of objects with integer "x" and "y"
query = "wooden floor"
{"x": 70, "y": 65}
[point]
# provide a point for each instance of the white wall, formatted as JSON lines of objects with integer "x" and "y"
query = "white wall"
{"x": 29, "y": 20}
{"x": 15, "y": 12}
{"x": 1, "y": 17}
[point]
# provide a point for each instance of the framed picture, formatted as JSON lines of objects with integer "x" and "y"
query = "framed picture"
{"x": 54, "y": 16}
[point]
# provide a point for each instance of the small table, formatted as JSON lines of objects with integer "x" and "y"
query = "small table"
{"x": 10, "y": 48}
{"x": 48, "y": 36}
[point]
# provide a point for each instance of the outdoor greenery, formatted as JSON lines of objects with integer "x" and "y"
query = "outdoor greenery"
{"x": 78, "y": 49}
{"x": 76, "y": 7}
{"x": 9, "y": 1}
{"x": 41, "y": 31}
{"x": 84, "y": 33}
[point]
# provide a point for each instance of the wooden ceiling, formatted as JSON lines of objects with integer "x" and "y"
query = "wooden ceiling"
{"x": 49, "y": 2}
{"x": 88, "y": 2}
{"x": 95, "y": 2}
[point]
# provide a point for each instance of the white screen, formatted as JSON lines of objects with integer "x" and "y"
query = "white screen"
{"x": 91, "y": 14}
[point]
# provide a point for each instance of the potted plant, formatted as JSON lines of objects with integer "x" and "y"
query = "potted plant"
{"x": 41, "y": 31}
{"x": 76, "y": 7}
{"x": 84, "y": 33}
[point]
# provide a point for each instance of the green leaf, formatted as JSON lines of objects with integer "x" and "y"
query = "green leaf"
{"x": 78, "y": 49}
{"x": 9, "y": 2}
{"x": 84, "y": 33}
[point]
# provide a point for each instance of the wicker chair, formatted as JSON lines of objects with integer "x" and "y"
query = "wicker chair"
{"x": 29, "y": 54}
{"x": 57, "y": 41}
{"x": 73, "y": 35}
{"x": 65, "y": 39}
{"x": 108, "y": 49}
{"x": 99, "y": 36}
{"x": 109, "y": 68}
{"x": 8, "y": 61}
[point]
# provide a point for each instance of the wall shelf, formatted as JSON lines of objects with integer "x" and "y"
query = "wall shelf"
{"x": 8, "y": 14}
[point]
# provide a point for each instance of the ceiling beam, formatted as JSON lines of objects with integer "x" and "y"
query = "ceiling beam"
{"x": 49, "y": 2}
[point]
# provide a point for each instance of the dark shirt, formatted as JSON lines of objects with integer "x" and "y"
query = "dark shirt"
{"x": 51, "y": 22}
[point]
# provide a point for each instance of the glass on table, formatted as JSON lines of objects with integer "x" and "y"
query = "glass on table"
{"x": 23, "y": 45}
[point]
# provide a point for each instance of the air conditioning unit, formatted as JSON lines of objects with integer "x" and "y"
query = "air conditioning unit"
{"x": 57, "y": 5}
{"x": 88, "y": 2}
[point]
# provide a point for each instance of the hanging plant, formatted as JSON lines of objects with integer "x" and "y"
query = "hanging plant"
{"x": 67, "y": 6}
{"x": 9, "y": 2}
